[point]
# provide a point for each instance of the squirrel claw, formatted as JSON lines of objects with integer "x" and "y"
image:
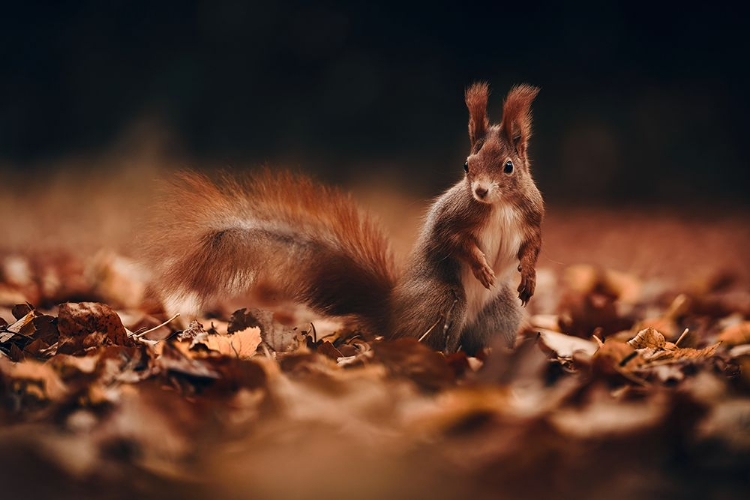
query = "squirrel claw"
{"x": 524, "y": 296}
{"x": 486, "y": 276}
{"x": 526, "y": 290}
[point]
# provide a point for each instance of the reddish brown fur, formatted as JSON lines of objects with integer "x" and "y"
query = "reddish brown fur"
{"x": 510, "y": 141}
{"x": 516, "y": 124}
{"x": 284, "y": 233}
{"x": 476, "y": 100}
{"x": 434, "y": 290}
{"x": 301, "y": 241}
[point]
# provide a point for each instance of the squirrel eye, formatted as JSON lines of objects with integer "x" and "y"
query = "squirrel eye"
{"x": 466, "y": 167}
{"x": 508, "y": 168}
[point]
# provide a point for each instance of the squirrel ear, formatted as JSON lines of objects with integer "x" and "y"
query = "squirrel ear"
{"x": 516, "y": 124}
{"x": 476, "y": 100}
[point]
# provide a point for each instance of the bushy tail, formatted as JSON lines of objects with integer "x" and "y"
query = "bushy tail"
{"x": 278, "y": 235}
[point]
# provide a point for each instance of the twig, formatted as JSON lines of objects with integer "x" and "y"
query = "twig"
{"x": 446, "y": 324}
{"x": 425, "y": 334}
{"x": 142, "y": 334}
{"x": 682, "y": 337}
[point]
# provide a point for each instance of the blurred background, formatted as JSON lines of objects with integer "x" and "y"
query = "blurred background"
{"x": 642, "y": 114}
{"x": 639, "y": 102}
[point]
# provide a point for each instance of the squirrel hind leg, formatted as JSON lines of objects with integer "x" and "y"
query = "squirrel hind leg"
{"x": 498, "y": 323}
{"x": 432, "y": 313}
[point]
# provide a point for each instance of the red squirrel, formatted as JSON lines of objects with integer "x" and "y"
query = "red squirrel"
{"x": 283, "y": 235}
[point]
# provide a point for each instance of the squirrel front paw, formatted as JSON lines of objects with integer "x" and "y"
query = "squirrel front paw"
{"x": 526, "y": 288}
{"x": 485, "y": 275}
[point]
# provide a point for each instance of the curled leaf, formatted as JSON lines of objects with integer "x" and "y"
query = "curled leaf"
{"x": 648, "y": 337}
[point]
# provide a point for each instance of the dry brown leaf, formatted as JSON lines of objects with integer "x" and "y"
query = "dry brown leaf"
{"x": 648, "y": 337}
{"x": 667, "y": 327}
{"x": 411, "y": 359}
{"x": 30, "y": 328}
{"x": 241, "y": 344}
{"x": 21, "y": 310}
{"x": 24, "y": 325}
{"x": 50, "y": 385}
{"x": 173, "y": 360}
{"x": 453, "y": 409}
{"x": 67, "y": 365}
{"x": 279, "y": 337}
{"x": 615, "y": 357}
{"x": 244, "y": 318}
{"x": 193, "y": 330}
{"x": 728, "y": 421}
{"x": 690, "y": 353}
{"x": 605, "y": 416}
{"x": 563, "y": 346}
{"x": 736, "y": 334}
{"x": 89, "y": 324}
{"x": 673, "y": 353}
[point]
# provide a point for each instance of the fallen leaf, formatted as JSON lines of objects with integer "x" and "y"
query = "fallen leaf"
{"x": 193, "y": 330}
{"x": 21, "y": 310}
{"x": 736, "y": 334}
{"x": 89, "y": 324}
{"x": 615, "y": 357}
{"x": 563, "y": 346}
{"x": 52, "y": 387}
{"x": 411, "y": 359}
{"x": 728, "y": 421}
{"x": 602, "y": 416}
{"x": 690, "y": 353}
{"x": 23, "y": 325}
{"x": 279, "y": 337}
{"x": 244, "y": 318}
{"x": 648, "y": 337}
{"x": 241, "y": 344}
{"x": 173, "y": 360}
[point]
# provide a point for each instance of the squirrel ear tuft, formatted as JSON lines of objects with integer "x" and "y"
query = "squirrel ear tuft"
{"x": 476, "y": 100}
{"x": 516, "y": 124}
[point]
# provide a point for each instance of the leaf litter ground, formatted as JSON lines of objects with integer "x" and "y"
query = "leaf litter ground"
{"x": 622, "y": 384}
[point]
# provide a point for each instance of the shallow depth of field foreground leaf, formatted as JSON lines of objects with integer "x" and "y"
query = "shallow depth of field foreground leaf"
{"x": 620, "y": 386}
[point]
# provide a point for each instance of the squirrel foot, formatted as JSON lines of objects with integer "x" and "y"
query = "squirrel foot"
{"x": 485, "y": 275}
{"x": 526, "y": 288}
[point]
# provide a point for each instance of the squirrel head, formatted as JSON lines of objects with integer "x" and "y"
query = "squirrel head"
{"x": 497, "y": 168}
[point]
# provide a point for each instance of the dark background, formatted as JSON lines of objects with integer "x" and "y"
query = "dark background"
{"x": 639, "y": 102}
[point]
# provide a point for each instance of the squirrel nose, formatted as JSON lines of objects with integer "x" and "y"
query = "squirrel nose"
{"x": 481, "y": 192}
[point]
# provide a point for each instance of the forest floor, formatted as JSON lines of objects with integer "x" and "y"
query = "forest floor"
{"x": 631, "y": 376}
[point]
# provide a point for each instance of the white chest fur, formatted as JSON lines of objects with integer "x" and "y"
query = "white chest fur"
{"x": 500, "y": 240}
